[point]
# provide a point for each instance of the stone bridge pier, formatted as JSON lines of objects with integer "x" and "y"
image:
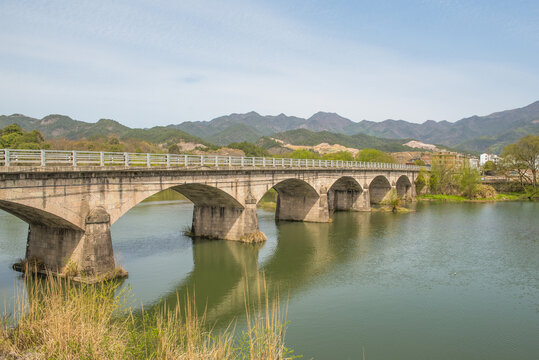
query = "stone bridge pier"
{"x": 70, "y": 210}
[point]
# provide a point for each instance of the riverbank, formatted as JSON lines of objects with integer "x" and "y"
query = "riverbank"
{"x": 59, "y": 319}
{"x": 458, "y": 198}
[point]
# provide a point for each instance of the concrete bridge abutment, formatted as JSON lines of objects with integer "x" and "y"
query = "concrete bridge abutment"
{"x": 62, "y": 250}
{"x": 227, "y": 223}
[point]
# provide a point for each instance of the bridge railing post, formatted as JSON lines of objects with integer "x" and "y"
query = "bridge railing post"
{"x": 148, "y": 160}
{"x": 126, "y": 159}
{"x": 102, "y": 159}
{"x": 168, "y": 160}
{"x": 7, "y": 158}
{"x": 74, "y": 158}
{"x": 43, "y": 158}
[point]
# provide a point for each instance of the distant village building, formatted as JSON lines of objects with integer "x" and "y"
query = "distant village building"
{"x": 450, "y": 159}
{"x": 488, "y": 157}
{"x": 474, "y": 162}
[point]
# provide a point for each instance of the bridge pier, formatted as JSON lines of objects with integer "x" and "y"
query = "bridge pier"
{"x": 75, "y": 252}
{"x": 349, "y": 200}
{"x": 227, "y": 223}
{"x": 302, "y": 207}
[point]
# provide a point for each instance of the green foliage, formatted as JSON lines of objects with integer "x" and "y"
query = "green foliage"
{"x": 374, "y": 155}
{"x": 340, "y": 155}
{"x": 174, "y": 149}
{"x": 393, "y": 200}
{"x": 249, "y": 149}
{"x": 358, "y": 141}
{"x": 433, "y": 183}
{"x": 419, "y": 162}
{"x": 13, "y": 137}
{"x": 303, "y": 154}
{"x": 469, "y": 180}
{"x": 420, "y": 183}
{"x": 489, "y": 167}
{"x": 523, "y": 157}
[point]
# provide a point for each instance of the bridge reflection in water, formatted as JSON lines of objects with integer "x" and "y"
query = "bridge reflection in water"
{"x": 304, "y": 254}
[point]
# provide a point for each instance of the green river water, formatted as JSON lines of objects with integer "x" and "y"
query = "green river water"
{"x": 450, "y": 281}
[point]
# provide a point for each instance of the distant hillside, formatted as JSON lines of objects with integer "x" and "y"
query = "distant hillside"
{"x": 472, "y": 134}
{"x": 358, "y": 141}
{"x": 60, "y": 126}
{"x": 475, "y": 134}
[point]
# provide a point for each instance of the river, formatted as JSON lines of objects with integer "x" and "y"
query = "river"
{"x": 450, "y": 281}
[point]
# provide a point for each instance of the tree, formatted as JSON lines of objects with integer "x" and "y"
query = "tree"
{"x": 303, "y": 154}
{"x": 420, "y": 181}
{"x": 419, "y": 162}
{"x": 489, "y": 167}
{"x": 340, "y": 155}
{"x": 249, "y": 149}
{"x": 469, "y": 180}
{"x": 523, "y": 156}
{"x": 374, "y": 155}
{"x": 174, "y": 149}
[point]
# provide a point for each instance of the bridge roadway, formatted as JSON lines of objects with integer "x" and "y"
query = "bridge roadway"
{"x": 70, "y": 198}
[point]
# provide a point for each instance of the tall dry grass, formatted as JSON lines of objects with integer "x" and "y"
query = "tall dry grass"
{"x": 60, "y": 320}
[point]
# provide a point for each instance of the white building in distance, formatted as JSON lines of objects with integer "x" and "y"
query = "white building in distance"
{"x": 488, "y": 157}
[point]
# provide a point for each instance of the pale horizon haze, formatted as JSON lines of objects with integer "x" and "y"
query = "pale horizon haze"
{"x": 148, "y": 63}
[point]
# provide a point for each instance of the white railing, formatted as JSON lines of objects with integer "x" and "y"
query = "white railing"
{"x": 18, "y": 157}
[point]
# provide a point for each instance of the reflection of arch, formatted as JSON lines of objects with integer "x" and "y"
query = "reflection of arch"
{"x": 344, "y": 193}
{"x": 32, "y": 215}
{"x": 296, "y": 200}
{"x": 378, "y": 189}
{"x": 403, "y": 186}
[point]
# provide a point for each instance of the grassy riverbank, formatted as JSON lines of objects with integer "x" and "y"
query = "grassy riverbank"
{"x": 458, "y": 198}
{"x": 64, "y": 321}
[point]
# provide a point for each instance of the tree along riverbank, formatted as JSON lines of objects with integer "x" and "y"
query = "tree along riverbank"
{"x": 458, "y": 198}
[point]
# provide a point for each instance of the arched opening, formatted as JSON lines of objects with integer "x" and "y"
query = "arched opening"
{"x": 403, "y": 187}
{"x": 32, "y": 215}
{"x": 51, "y": 240}
{"x": 345, "y": 194}
{"x": 295, "y": 200}
{"x": 378, "y": 189}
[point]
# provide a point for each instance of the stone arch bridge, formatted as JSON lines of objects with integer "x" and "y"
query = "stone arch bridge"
{"x": 70, "y": 199}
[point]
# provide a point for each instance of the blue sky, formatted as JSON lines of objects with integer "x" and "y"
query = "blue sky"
{"x": 147, "y": 63}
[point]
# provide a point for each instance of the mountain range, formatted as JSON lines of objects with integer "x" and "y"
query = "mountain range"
{"x": 475, "y": 133}
{"x": 472, "y": 134}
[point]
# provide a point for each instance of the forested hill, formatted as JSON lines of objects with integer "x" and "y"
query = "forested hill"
{"x": 61, "y": 126}
{"x": 358, "y": 141}
{"x": 476, "y": 133}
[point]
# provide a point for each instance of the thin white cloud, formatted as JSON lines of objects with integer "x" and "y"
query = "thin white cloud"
{"x": 147, "y": 64}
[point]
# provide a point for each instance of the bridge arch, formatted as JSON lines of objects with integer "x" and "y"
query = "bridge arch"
{"x": 378, "y": 189}
{"x": 344, "y": 194}
{"x": 298, "y": 200}
{"x": 33, "y": 215}
{"x": 206, "y": 195}
{"x": 404, "y": 186}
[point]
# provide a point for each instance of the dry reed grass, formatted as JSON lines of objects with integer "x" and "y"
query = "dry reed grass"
{"x": 61, "y": 320}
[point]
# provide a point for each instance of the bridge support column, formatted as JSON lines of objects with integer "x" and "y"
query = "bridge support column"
{"x": 349, "y": 200}
{"x": 227, "y": 223}
{"x": 303, "y": 208}
{"x": 72, "y": 252}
